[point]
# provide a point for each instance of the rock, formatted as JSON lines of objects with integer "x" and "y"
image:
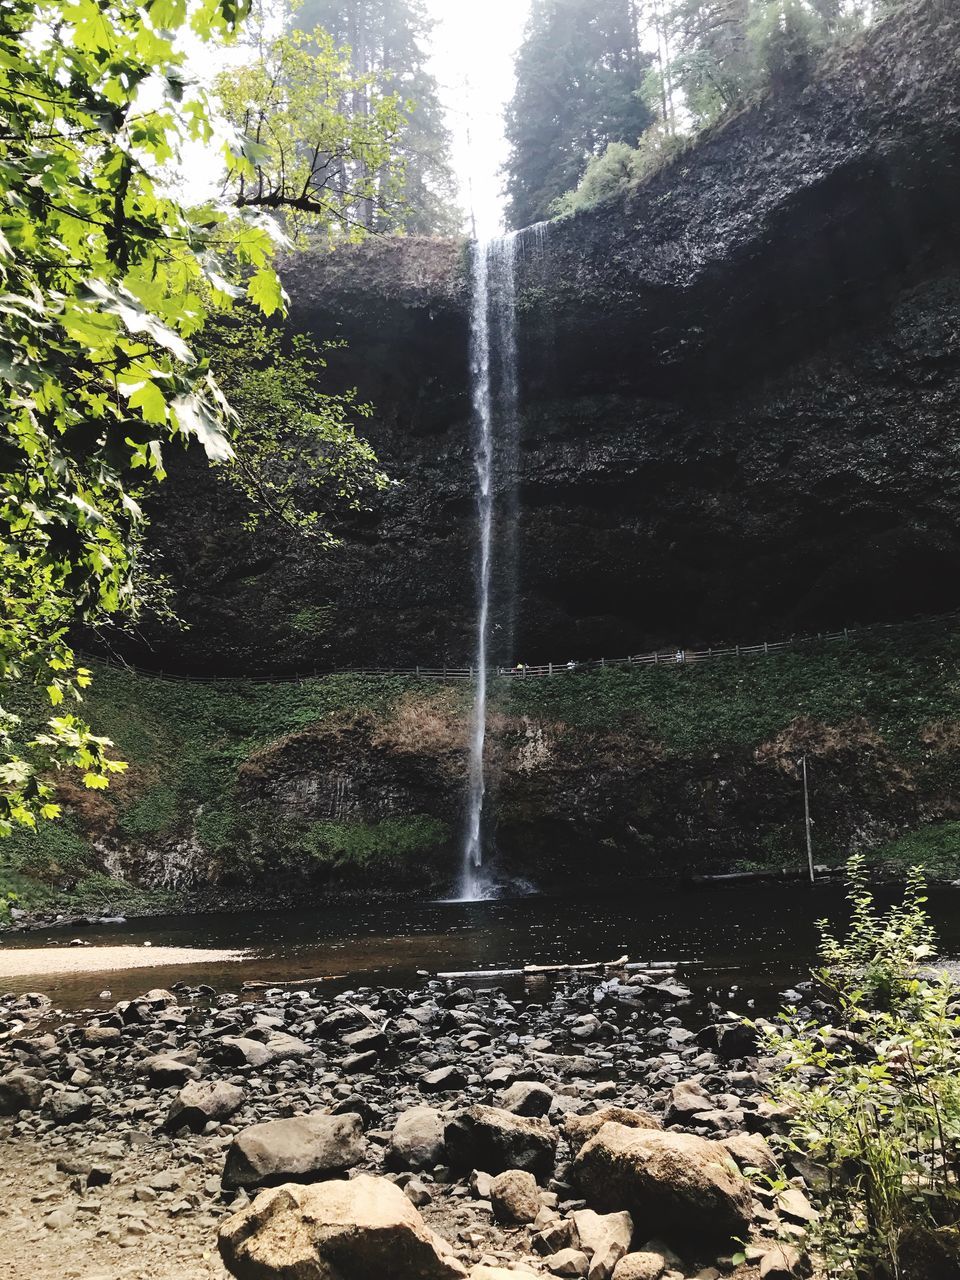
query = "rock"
{"x": 238, "y": 1051}
{"x": 70, "y": 1106}
{"x": 197, "y": 1104}
{"x": 417, "y": 1140}
{"x": 417, "y": 1193}
{"x": 515, "y": 1196}
{"x": 101, "y": 1037}
{"x": 783, "y": 1262}
{"x": 494, "y": 1140}
{"x": 586, "y": 1027}
{"x": 443, "y": 1080}
{"x": 687, "y": 1098}
{"x": 639, "y": 1266}
{"x": 302, "y": 1149}
{"x": 358, "y": 1230}
{"x": 568, "y": 1262}
{"x": 526, "y": 1098}
{"x": 279, "y": 1047}
{"x": 357, "y": 1064}
{"x": 751, "y": 1151}
{"x": 793, "y": 1206}
{"x": 20, "y": 1091}
{"x": 367, "y": 1040}
{"x": 579, "y": 1129}
{"x": 671, "y": 1183}
{"x": 604, "y": 1238}
{"x": 165, "y": 1069}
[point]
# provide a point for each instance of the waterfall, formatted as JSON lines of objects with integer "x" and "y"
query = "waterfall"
{"x": 493, "y": 374}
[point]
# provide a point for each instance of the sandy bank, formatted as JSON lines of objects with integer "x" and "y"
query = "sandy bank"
{"x": 22, "y": 962}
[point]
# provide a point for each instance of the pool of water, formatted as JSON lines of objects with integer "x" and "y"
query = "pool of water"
{"x": 755, "y": 938}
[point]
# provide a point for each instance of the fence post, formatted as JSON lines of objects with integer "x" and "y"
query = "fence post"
{"x": 656, "y": 658}
{"x": 603, "y": 662}
{"x": 766, "y": 647}
{"x": 550, "y": 669}
{"x": 738, "y": 651}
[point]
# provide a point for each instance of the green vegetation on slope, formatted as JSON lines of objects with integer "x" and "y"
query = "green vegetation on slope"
{"x": 900, "y": 681}
{"x": 187, "y": 742}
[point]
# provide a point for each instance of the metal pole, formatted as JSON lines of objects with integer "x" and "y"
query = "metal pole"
{"x": 807, "y": 821}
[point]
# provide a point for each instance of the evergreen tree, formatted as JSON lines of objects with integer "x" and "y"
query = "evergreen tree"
{"x": 580, "y": 71}
{"x": 387, "y": 38}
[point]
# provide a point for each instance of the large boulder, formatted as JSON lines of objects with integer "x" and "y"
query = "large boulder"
{"x": 494, "y": 1140}
{"x": 579, "y": 1129}
{"x": 673, "y": 1184}
{"x": 417, "y": 1140}
{"x": 353, "y": 1230}
{"x": 302, "y": 1149}
{"x": 197, "y": 1104}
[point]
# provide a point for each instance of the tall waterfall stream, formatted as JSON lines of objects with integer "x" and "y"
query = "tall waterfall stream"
{"x": 493, "y": 375}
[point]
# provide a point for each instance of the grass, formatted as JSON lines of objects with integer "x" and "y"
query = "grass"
{"x": 935, "y": 847}
{"x": 899, "y": 683}
{"x": 186, "y": 742}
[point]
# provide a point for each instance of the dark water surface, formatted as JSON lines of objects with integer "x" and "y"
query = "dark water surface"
{"x": 756, "y": 938}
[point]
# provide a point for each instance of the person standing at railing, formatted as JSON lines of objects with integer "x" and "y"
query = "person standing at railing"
{"x": 681, "y": 657}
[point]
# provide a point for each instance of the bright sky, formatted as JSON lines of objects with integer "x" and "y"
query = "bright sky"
{"x": 474, "y": 47}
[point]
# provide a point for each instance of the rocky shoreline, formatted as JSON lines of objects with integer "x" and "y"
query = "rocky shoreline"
{"x": 583, "y": 1129}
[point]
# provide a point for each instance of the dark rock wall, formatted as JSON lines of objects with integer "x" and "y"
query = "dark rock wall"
{"x": 739, "y": 390}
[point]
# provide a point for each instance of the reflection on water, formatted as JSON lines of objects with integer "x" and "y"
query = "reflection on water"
{"x": 757, "y": 937}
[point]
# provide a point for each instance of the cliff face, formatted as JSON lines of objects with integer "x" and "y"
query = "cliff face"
{"x": 738, "y": 390}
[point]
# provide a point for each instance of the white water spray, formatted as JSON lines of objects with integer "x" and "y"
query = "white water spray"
{"x": 494, "y": 397}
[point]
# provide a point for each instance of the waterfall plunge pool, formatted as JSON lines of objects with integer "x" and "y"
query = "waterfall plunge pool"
{"x": 757, "y": 938}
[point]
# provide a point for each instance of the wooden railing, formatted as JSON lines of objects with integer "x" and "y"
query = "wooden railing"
{"x": 666, "y": 657}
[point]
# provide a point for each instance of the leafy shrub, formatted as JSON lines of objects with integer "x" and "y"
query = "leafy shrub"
{"x": 399, "y": 843}
{"x": 619, "y": 168}
{"x": 873, "y": 1088}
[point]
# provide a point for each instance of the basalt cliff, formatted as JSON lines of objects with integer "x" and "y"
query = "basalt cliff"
{"x": 739, "y": 387}
{"x": 738, "y": 405}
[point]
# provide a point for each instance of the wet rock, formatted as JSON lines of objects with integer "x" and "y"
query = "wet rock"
{"x": 527, "y": 1098}
{"x": 495, "y": 1140}
{"x": 515, "y": 1196}
{"x": 199, "y": 1103}
{"x": 301, "y": 1149}
{"x": 417, "y": 1140}
{"x": 354, "y": 1230}
{"x": 20, "y": 1091}
{"x": 669, "y": 1182}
